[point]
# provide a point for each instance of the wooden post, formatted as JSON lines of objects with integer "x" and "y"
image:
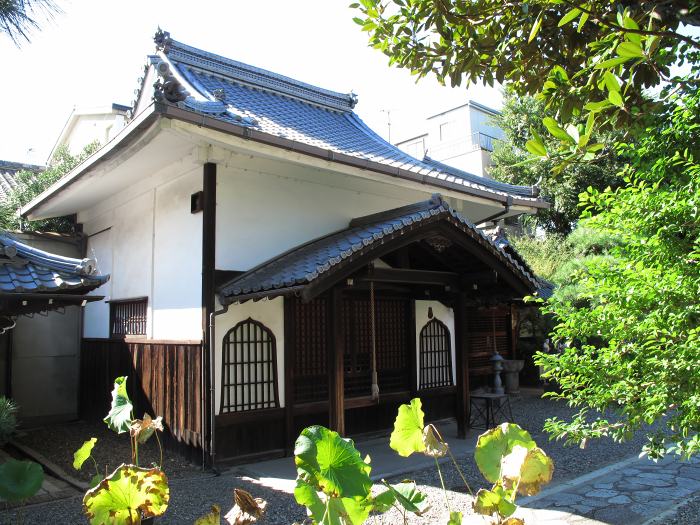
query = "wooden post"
{"x": 208, "y": 272}
{"x": 413, "y": 358}
{"x": 336, "y": 353}
{"x": 462, "y": 364}
{"x": 289, "y": 359}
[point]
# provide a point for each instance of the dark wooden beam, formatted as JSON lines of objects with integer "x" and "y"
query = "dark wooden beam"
{"x": 403, "y": 276}
{"x": 462, "y": 364}
{"x": 289, "y": 359}
{"x": 208, "y": 282}
{"x": 336, "y": 353}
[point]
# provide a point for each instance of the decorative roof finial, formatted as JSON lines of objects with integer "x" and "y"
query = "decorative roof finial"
{"x": 162, "y": 40}
{"x": 353, "y": 98}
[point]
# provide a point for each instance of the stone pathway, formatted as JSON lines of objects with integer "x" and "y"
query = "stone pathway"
{"x": 631, "y": 492}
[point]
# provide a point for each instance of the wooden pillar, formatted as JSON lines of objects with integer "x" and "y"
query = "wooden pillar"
{"x": 462, "y": 364}
{"x": 413, "y": 357}
{"x": 289, "y": 360}
{"x": 336, "y": 352}
{"x": 208, "y": 273}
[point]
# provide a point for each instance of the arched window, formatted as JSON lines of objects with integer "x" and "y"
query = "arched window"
{"x": 435, "y": 355}
{"x": 249, "y": 368}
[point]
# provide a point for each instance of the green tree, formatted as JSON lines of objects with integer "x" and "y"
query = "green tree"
{"x": 19, "y": 17}
{"x": 513, "y": 163}
{"x": 31, "y": 184}
{"x": 630, "y": 332}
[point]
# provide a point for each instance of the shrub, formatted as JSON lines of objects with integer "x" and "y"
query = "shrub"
{"x": 8, "y": 419}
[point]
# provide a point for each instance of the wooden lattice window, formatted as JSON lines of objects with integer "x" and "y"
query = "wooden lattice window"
{"x": 435, "y": 355}
{"x": 249, "y": 368}
{"x": 128, "y": 317}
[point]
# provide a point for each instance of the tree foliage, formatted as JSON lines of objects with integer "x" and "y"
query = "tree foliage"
{"x": 30, "y": 184}
{"x": 512, "y": 163}
{"x": 629, "y": 333}
{"x": 19, "y": 17}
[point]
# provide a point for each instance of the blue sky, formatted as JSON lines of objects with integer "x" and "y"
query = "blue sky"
{"x": 93, "y": 55}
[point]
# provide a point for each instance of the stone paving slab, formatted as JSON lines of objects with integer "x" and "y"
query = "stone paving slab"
{"x": 631, "y": 492}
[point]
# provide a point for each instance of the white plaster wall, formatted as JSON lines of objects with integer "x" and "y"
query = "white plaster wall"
{"x": 177, "y": 271}
{"x": 443, "y": 314}
{"x": 261, "y": 214}
{"x": 90, "y": 128}
{"x": 96, "y": 316}
{"x": 270, "y": 314}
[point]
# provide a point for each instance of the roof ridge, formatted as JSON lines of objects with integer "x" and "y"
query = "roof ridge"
{"x": 14, "y": 247}
{"x": 435, "y": 201}
{"x": 251, "y": 75}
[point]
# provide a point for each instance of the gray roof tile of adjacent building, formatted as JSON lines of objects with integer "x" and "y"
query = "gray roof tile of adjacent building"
{"x": 26, "y": 269}
{"x": 8, "y": 175}
{"x": 306, "y": 263}
{"x": 273, "y": 104}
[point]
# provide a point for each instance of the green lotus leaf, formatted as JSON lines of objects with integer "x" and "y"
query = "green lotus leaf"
{"x": 212, "y": 518}
{"x": 331, "y": 463}
{"x": 528, "y": 469}
{"x": 455, "y": 518}
{"x": 306, "y": 495}
{"x": 496, "y": 501}
{"x": 496, "y": 443}
{"x": 80, "y": 456}
{"x": 435, "y": 447}
{"x": 20, "y": 480}
{"x": 410, "y": 498}
{"x": 119, "y": 416}
{"x": 127, "y": 495}
{"x": 335, "y": 511}
{"x": 384, "y": 501}
{"x": 407, "y": 436}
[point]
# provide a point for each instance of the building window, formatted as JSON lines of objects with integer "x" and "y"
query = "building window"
{"x": 249, "y": 368}
{"x": 435, "y": 356}
{"x": 128, "y": 317}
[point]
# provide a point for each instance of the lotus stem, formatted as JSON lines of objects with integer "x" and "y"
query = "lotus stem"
{"x": 442, "y": 482}
{"x": 160, "y": 447}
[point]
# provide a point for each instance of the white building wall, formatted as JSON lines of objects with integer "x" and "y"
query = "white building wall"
{"x": 96, "y": 316}
{"x": 269, "y": 313}
{"x": 441, "y": 313}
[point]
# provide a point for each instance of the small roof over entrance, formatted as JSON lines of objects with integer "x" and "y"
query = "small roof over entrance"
{"x": 426, "y": 243}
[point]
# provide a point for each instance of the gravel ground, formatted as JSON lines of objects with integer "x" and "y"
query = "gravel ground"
{"x": 193, "y": 494}
{"x": 58, "y": 443}
{"x": 686, "y": 514}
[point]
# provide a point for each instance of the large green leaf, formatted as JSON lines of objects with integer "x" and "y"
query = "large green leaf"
{"x": 455, "y": 518}
{"x": 120, "y": 414}
{"x": 496, "y": 443}
{"x": 20, "y": 479}
{"x": 331, "y": 463}
{"x": 489, "y": 502}
{"x": 84, "y": 452}
{"x": 529, "y": 469}
{"x": 127, "y": 495}
{"x": 306, "y": 495}
{"x": 409, "y": 497}
{"x": 407, "y": 436}
{"x": 334, "y": 511}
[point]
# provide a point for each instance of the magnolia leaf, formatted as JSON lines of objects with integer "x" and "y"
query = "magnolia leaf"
{"x": 435, "y": 447}
{"x": 331, "y": 464}
{"x": 630, "y": 50}
{"x": 407, "y": 436}
{"x": 573, "y": 132}
{"x": 612, "y": 62}
{"x": 20, "y": 480}
{"x": 80, "y": 456}
{"x": 119, "y": 416}
{"x": 556, "y": 130}
{"x": 142, "y": 429}
{"x": 455, "y": 518}
{"x": 496, "y": 443}
{"x": 527, "y": 469}
{"x": 212, "y": 518}
{"x": 535, "y": 28}
{"x": 495, "y": 501}
{"x": 568, "y": 17}
{"x": 409, "y": 497}
{"x": 246, "y": 510}
{"x": 616, "y": 98}
{"x": 127, "y": 495}
{"x": 611, "y": 82}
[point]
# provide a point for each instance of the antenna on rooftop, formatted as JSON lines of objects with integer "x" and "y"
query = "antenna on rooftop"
{"x": 388, "y": 121}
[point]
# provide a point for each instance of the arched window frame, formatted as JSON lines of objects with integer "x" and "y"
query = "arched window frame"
{"x": 230, "y": 403}
{"x": 439, "y": 361}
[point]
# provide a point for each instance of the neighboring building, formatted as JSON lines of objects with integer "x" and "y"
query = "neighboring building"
{"x": 87, "y": 125}
{"x": 41, "y": 295}
{"x": 251, "y": 224}
{"x": 8, "y": 175}
{"x": 461, "y": 137}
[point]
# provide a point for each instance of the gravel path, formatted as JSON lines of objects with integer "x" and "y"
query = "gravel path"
{"x": 193, "y": 494}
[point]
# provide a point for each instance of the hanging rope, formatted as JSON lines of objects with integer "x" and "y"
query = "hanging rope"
{"x": 372, "y": 327}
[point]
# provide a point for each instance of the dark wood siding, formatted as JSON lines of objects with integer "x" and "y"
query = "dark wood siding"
{"x": 488, "y": 330}
{"x": 164, "y": 380}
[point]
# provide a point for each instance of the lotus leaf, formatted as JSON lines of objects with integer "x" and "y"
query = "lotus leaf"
{"x": 496, "y": 443}
{"x": 20, "y": 479}
{"x": 120, "y": 414}
{"x": 407, "y": 436}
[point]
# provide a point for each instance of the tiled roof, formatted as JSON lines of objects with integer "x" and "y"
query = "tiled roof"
{"x": 8, "y": 175}
{"x": 26, "y": 269}
{"x": 305, "y": 264}
{"x": 250, "y": 97}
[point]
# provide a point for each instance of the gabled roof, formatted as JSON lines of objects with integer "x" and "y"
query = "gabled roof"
{"x": 26, "y": 269}
{"x": 8, "y": 175}
{"x": 251, "y": 97}
{"x": 299, "y": 267}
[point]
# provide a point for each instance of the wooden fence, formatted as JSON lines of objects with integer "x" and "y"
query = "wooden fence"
{"x": 165, "y": 379}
